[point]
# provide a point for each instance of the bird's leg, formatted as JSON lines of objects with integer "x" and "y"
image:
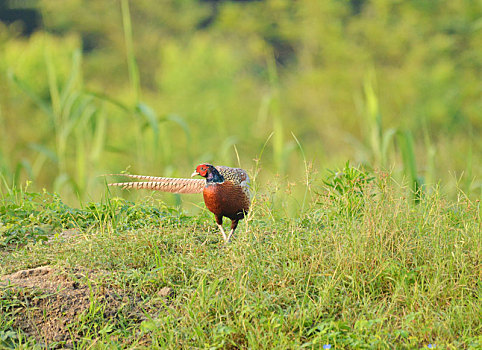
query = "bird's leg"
{"x": 219, "y": 221}
{"x": 222, "y": 232}
{"x": 234, "y": 224}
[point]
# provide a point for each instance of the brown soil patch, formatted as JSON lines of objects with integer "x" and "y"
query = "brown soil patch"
{"x": 45, "y": 302}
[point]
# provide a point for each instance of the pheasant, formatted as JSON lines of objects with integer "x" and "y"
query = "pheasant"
{"x": 225, "y": 191}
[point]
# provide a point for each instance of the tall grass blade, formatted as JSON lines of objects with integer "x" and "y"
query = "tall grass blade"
{"x": 55, "y": 101}
{"x": 131, "y": 58}
{"x": 379, "y": 140}
{"x": 74, "y": 77}
{"x": 99, "y": 136}
{"x": 166, "y": 139}
{"x": 4, "y": 167}
{"x": 225, "y": 149}
{"x": 254, "y": 177}
{"x": 387, "y": 140}
{"x": 43, "y": 154}
{"x": 373, "y": 119}
{"x": 7, "y": 187}
{"x": 278, "y": 142}
{"x": 406, "y": 144}
{"x": 22, "y": 85}
{"x": 307, "y": 172}
{"x": 106, "y": 98}
{"x": 431, "y": 152}
{"x": 237, "y": 155}
{"x": 22, "y": 165}
{"x": 152, "y": 121}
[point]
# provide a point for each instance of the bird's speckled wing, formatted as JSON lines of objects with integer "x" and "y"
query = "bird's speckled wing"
{"x": 238, "y": 176}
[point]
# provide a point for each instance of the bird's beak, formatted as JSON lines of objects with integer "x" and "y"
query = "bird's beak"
{"x": 194, "y": 174}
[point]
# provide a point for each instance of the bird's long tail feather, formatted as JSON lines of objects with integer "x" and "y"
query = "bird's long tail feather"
{"x": 164, "y": 184}
{"x": 145, "y": 177}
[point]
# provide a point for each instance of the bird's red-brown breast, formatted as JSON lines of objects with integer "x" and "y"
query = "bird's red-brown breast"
{"x": 226, "y": 199}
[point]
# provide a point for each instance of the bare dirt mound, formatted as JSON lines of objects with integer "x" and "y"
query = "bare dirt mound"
{"x": 45, "y": 302}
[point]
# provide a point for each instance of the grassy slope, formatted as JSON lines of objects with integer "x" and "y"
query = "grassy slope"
{"x": 370, "y": 271}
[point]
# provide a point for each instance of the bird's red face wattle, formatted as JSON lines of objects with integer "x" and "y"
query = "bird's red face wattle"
{"x": 202, "y": 170}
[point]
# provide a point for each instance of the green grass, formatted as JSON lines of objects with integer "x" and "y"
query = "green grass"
{"x": 387, "y": 273}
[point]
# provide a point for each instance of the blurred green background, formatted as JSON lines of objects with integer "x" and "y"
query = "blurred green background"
{"x": 156, "y": 87}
